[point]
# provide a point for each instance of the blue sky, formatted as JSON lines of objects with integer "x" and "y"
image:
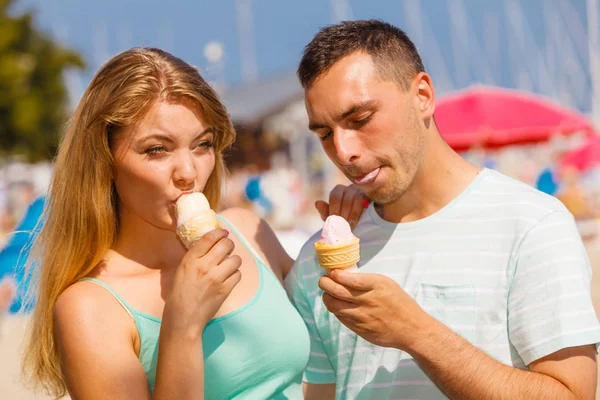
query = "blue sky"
{"x": 539, "y": 45}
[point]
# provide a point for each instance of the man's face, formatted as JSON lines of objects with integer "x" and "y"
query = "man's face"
{"x": 369, "y": 127}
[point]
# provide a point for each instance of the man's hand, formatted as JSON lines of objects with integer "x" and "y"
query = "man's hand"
{"x": 375, "y": 307}
{"x": 348, "y": 202}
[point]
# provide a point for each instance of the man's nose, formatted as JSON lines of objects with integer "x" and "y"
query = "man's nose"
{"x": 347, "y": 146}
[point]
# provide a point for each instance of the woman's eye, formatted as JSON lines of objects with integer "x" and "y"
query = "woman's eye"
{"x": 155, "y": 150}
{"x": 206, "y": 144}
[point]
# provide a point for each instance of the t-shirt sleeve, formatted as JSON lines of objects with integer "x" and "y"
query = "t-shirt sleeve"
{"x": 319, "y": 369}
{"x": 550, "y": 305}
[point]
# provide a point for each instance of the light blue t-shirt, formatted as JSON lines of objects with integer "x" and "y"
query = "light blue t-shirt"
{"x": 503, "y": 265}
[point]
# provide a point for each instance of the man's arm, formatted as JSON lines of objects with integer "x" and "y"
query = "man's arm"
{"x": 377, "y": 309}
{"x": 313, "y": 391}
{"x": 551, "y": 322}
{"x": 462, "y": 371}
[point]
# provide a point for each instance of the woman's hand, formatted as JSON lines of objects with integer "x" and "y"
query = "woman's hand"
{"x": 348, "y": 202}
{"x": 202, "y": 282}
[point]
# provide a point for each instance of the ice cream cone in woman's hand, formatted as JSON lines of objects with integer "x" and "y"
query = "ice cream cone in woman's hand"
{"x": 194, "y": 218}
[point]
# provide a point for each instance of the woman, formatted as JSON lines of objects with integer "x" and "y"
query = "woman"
{"x": 124, "y": 310}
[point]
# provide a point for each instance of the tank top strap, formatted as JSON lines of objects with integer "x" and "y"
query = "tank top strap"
{"x": 243, "y": 240}
{"x": 130, "y": 310}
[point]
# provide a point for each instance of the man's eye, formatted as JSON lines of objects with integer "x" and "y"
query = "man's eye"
{"x": 326, "y": 136}
{"x": 363, "y": 121}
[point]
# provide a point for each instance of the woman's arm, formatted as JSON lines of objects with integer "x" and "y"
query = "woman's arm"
{"x": 95, "y": 339}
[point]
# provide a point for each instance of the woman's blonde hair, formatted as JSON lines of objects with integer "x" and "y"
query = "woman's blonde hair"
{"x": 81, "y": 212}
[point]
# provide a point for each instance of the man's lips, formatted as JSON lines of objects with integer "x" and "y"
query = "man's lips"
{"x": 366, "y": 178}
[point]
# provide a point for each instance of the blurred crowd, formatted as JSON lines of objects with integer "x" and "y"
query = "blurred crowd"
{"x": 542, "y": 166}
{"x": 20, "y": 184}
{"x": 284, "y": 196}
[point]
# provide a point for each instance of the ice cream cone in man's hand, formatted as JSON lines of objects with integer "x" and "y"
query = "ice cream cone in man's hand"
{"x": 337, "y": 248}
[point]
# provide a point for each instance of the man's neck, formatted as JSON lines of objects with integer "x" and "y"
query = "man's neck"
{"x": 440, "y": 179}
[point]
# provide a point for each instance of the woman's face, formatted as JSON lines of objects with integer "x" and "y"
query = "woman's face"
{"x": 170, "y": 152}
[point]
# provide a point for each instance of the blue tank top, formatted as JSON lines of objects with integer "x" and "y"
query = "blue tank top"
{"x": 258, "y": 351}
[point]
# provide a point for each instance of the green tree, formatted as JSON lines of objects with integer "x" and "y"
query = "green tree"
{"x": 33, "y": 97}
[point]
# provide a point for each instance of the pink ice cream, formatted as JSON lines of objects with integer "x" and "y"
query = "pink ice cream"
{"x": 336, "y": 231}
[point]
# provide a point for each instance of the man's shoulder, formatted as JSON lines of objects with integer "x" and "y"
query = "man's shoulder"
{"x": 504, "y": 191}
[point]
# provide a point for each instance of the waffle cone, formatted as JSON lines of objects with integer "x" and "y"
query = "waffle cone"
{"x": 195, "y": 227}
{"x": 339, "y": 256}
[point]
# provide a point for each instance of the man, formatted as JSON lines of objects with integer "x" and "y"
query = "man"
{"x": 472, "y": 285}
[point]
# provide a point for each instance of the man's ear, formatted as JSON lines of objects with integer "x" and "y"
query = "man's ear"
{"x": 425, "y": 95}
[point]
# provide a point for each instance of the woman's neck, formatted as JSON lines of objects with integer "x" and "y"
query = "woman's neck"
{"x": 147, "y": 244}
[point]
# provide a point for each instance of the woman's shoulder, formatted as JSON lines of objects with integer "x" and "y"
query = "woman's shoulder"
{"x": 260, "y": 236}
{"x": 247, "y": 224}
{"x": 253, "y": 228}
{"x": 96, "y": 341}
{"x": 239, "y": 214}
{"x": 79, "y": 297}
{"x": 80, "y": 306}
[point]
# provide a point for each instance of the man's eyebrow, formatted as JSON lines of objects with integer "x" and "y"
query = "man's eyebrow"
{"x": 355, "y": 108}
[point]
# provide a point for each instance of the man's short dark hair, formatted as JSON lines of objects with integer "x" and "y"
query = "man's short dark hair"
{"x": 395, "y": 56}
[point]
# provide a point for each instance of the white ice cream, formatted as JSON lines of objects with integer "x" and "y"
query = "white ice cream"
{"x": 190, "y": 205}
